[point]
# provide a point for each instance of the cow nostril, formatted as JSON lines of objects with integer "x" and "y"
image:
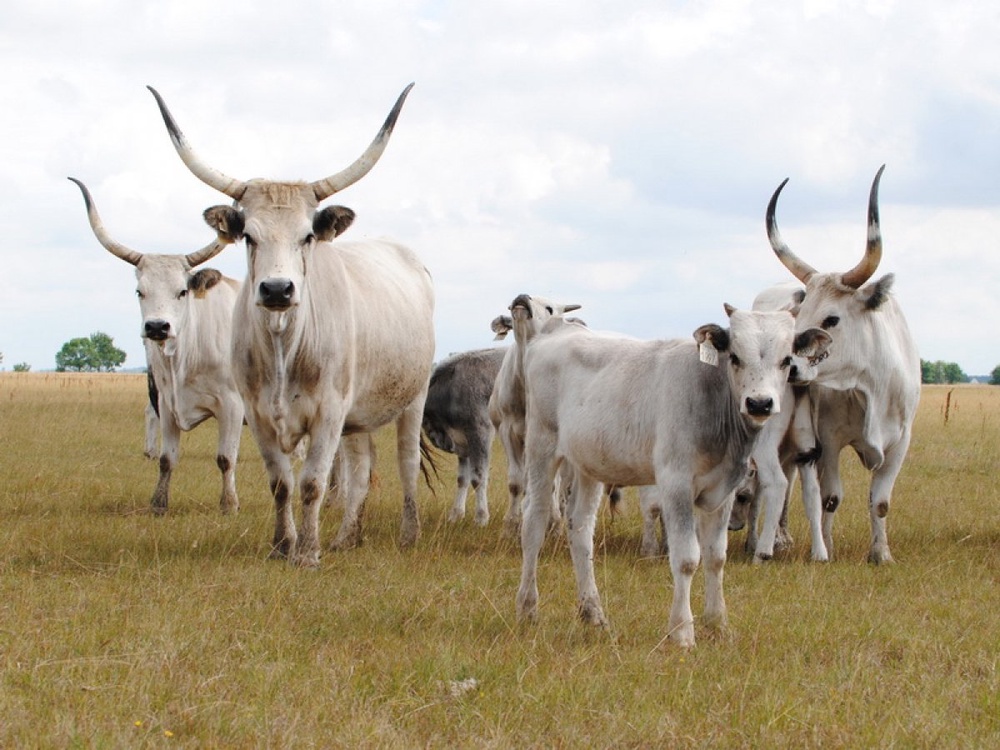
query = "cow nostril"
{"x": 760, "y": 407}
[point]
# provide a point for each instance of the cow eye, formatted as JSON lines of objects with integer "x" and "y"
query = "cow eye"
{"x": 139, "y": 294}
{"x": 549, "y": 310}
{"x": 182, "y": 294}
{"x": 251, "y": 242}
{"x": 829, "y": 322}
{"x": 735, "y": 360}
{"x": 785, "y": 363}
{"x": 310, "y": 238}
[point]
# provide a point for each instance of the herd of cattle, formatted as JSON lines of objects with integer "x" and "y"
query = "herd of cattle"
{"x": 325, "y": 342}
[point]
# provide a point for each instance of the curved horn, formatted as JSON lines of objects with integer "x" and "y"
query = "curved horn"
{"x": 208, "y": 252}
{"x": 362, "y": 165}
{"x": 799, "y": 268}
{"x": 115, "y": 248}
{"x": 207, "y": 174}
{"x": 873, "y": 251}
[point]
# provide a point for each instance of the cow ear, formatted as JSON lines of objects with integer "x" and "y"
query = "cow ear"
{"x": 714, "y": 335}
{"x": 332, "y": 222}
{"x": 501, "y": 325}
{"x": 225, "y": 220}
{"x": 876, "y": 293}
{"x": 812, "y": 344}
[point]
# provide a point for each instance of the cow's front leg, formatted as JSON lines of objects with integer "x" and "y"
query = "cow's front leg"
{"x": 281, "y": 481}
{"x": 713, "y": 540}
{"x": 170, "y": 447}
{"x": 684, "y": 557}
{"x": 540, "y": 456}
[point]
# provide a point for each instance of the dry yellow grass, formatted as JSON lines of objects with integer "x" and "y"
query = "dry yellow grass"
{"x": 120, "y": 629}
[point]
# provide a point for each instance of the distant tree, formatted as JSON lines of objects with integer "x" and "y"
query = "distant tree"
{"x": 97, "y": 353}
{"x": 995, "y": 376}
{"x": 22, "y": 367}
{"x": 942, "y": 372}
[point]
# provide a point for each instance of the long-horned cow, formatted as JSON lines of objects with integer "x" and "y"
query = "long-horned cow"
{"x": 186, "y": 326}
{"x": 870, "y": 383}
{"x": 331, "y": 340}
{"x": 680, "y": 415}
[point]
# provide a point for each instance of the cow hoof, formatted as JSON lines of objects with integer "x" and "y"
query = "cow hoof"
{"x": 454, "y": 515}
{"x": 880, "y": 557}
{"x": 761, "y": 557}
{"x": 592, "y": 614}
{"x": 482, "y": 519}
{"x": 308, "y": 560}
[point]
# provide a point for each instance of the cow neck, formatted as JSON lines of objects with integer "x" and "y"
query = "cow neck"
{"x": 174, "y": 371}
{"x": 277, "y": 326}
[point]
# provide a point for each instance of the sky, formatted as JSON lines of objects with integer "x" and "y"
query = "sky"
{"x": 618, "y": 155}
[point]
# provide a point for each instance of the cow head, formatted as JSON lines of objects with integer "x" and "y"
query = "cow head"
{"x": 756, "y": 353}
{"x": 165, "y": 283}
{"x": 841, "y": 303}
{"x": 789, "y": 296}
{"x": 279, "y": 221}
{"x": 528, "y": 315}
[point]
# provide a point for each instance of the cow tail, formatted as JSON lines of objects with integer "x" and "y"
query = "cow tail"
{"x": 614, "y": 499}
{"x": 427, "y": 463}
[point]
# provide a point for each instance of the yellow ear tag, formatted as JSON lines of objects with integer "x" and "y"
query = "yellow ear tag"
{"x": 708, "y": 354}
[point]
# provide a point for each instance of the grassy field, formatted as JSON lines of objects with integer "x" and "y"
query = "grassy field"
{"x": 121, "y": 629}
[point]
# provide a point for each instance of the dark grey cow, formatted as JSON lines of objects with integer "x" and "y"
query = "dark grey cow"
{"x": 457, "y": 420}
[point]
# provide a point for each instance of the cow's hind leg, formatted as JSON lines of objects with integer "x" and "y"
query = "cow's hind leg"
{"x": 457, "y": 512}
{"x": 230, "y": 427}
{"x": 879, "y": 498}
{"x": 580, "y": 522}
{"x": 408, "y": 457}
{"x": 479, "y": 460}
{"x": 354, "y": 476}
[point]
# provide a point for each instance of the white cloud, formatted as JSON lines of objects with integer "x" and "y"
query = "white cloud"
{"x": 616, "y": 156}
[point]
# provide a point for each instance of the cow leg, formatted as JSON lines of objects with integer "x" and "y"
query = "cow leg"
{"x": 479, "y": 458}
{"x": 408, "y": 427}
{"x": 170, "y": 447}
{"x": 684, "y": 556}
{"x": 653, "y": 523}
{"x": 713, "y": 539}
{"x": 580, "y": 525}
{"x": 831, "y": 491}
{"x": 356, "y": 455}
{"x": 152, "y": 431}
{"x": 537, "y": 513}
{"x": 880, "y": 496}
{"x": 513, "y": 446}
{"x": 812, "y": 502}
{"x": 230, "y": 426}
{"x": 772, "y": 488}
{"x": 279, "y": 471}
{"x": 457, "y": 512}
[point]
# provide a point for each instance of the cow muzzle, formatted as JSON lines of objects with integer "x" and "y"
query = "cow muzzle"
{"x": 276, "y": 293}
{"x": 759, "y": 408}
{"x": 156, "y": 329}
